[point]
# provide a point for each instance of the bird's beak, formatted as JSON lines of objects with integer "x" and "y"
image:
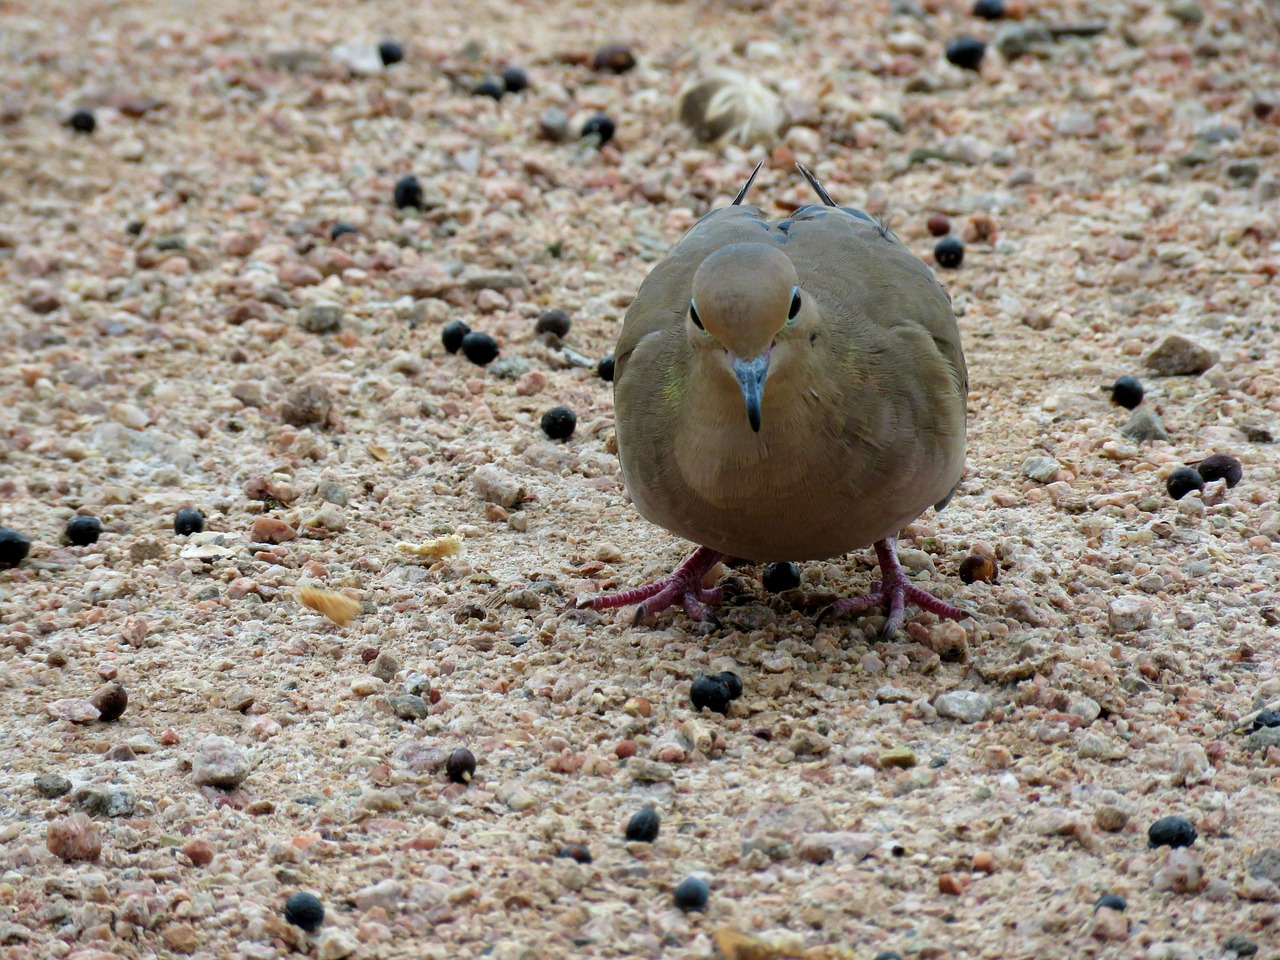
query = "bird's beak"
{"x": 751, "y": 376}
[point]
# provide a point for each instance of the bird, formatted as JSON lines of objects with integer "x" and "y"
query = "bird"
{"x": 788, "y": 390}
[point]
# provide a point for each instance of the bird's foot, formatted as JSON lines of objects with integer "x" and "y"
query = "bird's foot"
{"x": 682, "y": 586}
{"x": 895, "y": 590}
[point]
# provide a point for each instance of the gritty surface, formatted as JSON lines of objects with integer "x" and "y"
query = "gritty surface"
{"x": 177, "y": 329}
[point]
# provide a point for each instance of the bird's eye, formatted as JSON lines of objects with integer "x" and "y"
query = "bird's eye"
{"x": 795, "y": 303}
{"x": 693, "y": 315}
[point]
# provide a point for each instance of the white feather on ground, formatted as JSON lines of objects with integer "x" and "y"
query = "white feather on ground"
{"x": 730, "y": 107}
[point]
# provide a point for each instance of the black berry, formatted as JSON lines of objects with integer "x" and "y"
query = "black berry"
{"x": 14, "y": 547}
{"x": 515, "y": 79}
{"x": 575, "y": 851}
{"x": 1171, "y": 832}
{"x": 1221, "y": 466}
{"x": 453, "y": 334}
{"x": 949, "y": 252}
{"x": 304, "y": 910}
{"x": 1182, "y": 481}
{"x": 187, "y": 521}
{"x": 461, "y": 765}
{"x": 1128, "y": 392}
{"x": 490, "y": 87}
{"x": 1112, "y": 901}
{"x": 1267, "y": 718}
{"x": 82, "y": 530}
{"x": 781, "y": 576}
{"x": 966, "y": 52}
{"x": 605, "y": 369}
{"x": 339, "y": 229}
{"x": 691, "y": 894}
{"x": 558, "y": 423}
{"x": 554, "y": 321}
{"x": 989, "y": 9}
{"x": 615, "y": 58}
{"x": 408, "y": 192}
{"x": 82, "y": 121}
{"x": 712, "y": 693}
{"x": 643, "y": 825}
{"x": 732, "y": 681}
{"x": 479, "y": 348}
{"x": 390, "y": 52}
{"x": 601, "y": 126}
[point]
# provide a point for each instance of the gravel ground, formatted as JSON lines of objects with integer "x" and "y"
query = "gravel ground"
{"x": 177, "y": 329}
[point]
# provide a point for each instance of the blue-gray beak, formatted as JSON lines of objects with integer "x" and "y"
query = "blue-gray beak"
{"x": 751, "y": 376}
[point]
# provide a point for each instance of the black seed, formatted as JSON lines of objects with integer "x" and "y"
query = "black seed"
{"x": 966, "y": 52}
{"x": 732, "y": 681}
{"x": 390, "y": 52}
{"x": 461, "y": 765}
{"x": 558, "y": 423}
{"x": 1128, "y": 392}
{"x": 82, "y": 121}
{"x": 781, "y": 576}
{"x": 304, "y": 910}
{"x": 453, "y": 334}
{"x": 134, "y": 227}
{"x": 187, "y": 521}
{"x": 712, "y": 693}
{"x": 1171, "y": 832}
{"x": 1182, "y": 481}
{"x": 1221, "y": 466}
{"x": 554, "y": 321}
{"x": 643, "y": 825}
{"x": 601, "y": 126}
{"x": 14, "y": 547}
{"x": 479, "y": 348}
{"x": 1267, "y": 718}
{"x": 515, "y": 79}
{"x": 575, "y": 851}
{"x": 888, "y": 955}
{"x": 614, "y": 57}
{"x": 408, "y": 192}
{"x": 82, "y": 530}
{"x": 949, "y": 252}
{"x": 1112, "y": 901}
{"x": 339, "y": 229}
{"x": 989, "y": 9}
{"x": 605, "y": 369}
{"x": 691, "y": 894}
{"x": 490, "y": 87}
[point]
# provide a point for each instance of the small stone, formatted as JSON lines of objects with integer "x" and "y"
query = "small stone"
{"x": 1040, "y": 468}
{"x": 385, "y": 666}
{"x": 199, "y": 851}
{"x": 321, "y": 317}
{"x": 496, "y": 485}
{"x": 1185, "y": 11}
{"x": 1144, "y": 426}
{"x": 111, "y": 700}
{"x": 307, "y": 404}
{"x": 902, "y": 757}
{"x": 1109, "y": 925}
{"x": 1178, "y": 356}
{"x": 51, "y": 785}
{"x": 967, "y": 706}
{"x": 219, "y": 762}
{"x": 385, "y": 894}
{"x": 575, "y": 851}
{"x": 409, "y": 707}
{"x": 1110, "y": 818}
{"x": 105, "y": 801}
{"x": 1243, "y": 173}
{"x": 1157, "y": 173}
{"x": 1129, "y": 614}
{"x": 1181, "y": 872}
{"x": 808, "y": 743}
{"x": 643, "y": 770}
{"x": 1265, "y": 864}
{"x": 613, "y": 58}
{"x": 336, "y": 944}
{"x": 271, "y": 530}
{"x": 1240, "y": 945}
{"x": 74, "y": 709}
{"x": 74, "y": 838}
{"x": 554, "y": 125}
{"x": 180, "y": 937}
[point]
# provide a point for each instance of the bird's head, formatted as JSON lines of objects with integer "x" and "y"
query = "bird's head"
{"x": 746, "y": 297}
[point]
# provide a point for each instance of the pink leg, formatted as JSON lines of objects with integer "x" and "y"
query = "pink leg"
{"x": 683, "y": 586}
{"x": 896, "y": 590}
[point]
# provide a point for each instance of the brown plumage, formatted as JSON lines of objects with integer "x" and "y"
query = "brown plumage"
{"x": 788, "y": 390}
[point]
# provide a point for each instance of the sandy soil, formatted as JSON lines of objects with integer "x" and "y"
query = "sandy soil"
{"x": 165, "y": 342}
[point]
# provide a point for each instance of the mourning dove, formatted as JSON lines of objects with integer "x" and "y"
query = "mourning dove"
{"x": 788, "y": 390}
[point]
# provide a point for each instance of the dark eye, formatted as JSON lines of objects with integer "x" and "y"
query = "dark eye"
{"x": 693, "y": 315}
{"x": 795, "y": 303}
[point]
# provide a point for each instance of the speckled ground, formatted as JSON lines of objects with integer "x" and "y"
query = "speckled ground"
{"x": 165, "y": 342}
